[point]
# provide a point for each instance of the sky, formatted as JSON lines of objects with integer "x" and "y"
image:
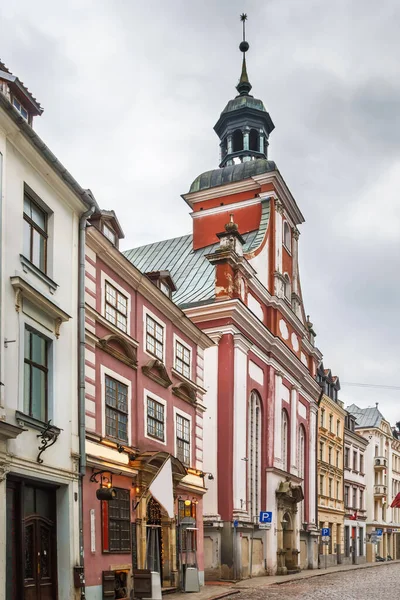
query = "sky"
{"x": 131, "y": 91}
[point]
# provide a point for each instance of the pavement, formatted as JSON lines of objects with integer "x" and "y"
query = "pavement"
{"x": 217, "y": 590}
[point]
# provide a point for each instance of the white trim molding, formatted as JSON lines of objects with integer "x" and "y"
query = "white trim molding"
{"x": 115, "y": 375}
{"x": 152, "y": 396}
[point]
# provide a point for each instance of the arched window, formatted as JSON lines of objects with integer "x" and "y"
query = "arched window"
{"x": 253, "y": 140}
{"x": 287, "y": 236}
{"x": 254, "y": 455}
{"x": 285, "y": 440}
{"x": 237, "y": 140}
{"x": 287, "y": 287}
{"x": 301, "y": 455}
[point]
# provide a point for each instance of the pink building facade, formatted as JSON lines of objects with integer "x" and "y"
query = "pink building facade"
{"x": 144, "y": 390}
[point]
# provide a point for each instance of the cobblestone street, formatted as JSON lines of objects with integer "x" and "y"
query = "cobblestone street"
{"x": 363, "y": 584}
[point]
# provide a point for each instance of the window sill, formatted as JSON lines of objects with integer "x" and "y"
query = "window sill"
{"x": 29, "y": 267}
{"x": 33, "y": 423}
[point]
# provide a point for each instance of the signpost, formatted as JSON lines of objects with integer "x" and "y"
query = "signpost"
{"x": 325, "y": 536}
{"x": 265, "y": 517}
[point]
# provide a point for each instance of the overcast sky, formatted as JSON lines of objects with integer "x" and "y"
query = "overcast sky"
{"x": 131, "y": 91}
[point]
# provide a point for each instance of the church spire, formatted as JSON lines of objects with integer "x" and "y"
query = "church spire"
{"x": 244, "y": 125}
{"x": 244, "y": 86}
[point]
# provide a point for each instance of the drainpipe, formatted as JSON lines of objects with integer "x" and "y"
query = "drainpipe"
{"x": 81, "y": 376}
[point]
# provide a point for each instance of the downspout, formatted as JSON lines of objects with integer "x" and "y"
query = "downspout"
{"x": 81, "y": 378}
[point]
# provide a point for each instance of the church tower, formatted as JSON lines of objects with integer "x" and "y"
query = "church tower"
{"x": 244, "y": 125}
{"x": 237, "y": 278}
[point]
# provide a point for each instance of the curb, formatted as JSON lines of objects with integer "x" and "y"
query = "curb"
{"x": 322, "y": 573}
{"x": 225, "y": 595}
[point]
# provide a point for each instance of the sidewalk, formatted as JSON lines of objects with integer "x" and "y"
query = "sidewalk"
{"x": 214, "y": 592}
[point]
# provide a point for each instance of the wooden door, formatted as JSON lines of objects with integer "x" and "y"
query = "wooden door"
{"x": 39, "y": 545}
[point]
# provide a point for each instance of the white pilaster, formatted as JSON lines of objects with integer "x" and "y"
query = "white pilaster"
{"x": 240, "y": 401}
{"x": 210, "y": 425}
{"x": 293, "y": 432}
{"x": 312, "y": 464}
{"x": 278, "y": 421}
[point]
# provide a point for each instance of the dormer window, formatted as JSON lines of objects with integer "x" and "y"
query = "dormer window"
{"x": 164, "y": 287}
{"x": 109, "y": 233}
{"x": 20, "y": 109}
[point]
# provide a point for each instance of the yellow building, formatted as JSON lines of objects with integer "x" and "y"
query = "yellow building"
{"x": 331, "y": 418}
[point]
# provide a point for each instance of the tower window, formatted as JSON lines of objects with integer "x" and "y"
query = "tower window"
{"x": 287, "y": 237}
{"x": 253, "y": 140}
{"x": 237, "y": 140}
{"x": 287, "y": 287}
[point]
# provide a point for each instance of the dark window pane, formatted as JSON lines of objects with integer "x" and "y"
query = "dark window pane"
{"x": 38, "y": 393}
{"x": 27, "y": 240}
{"x": 38, "y": 349}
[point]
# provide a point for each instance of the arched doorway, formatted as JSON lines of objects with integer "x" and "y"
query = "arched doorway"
{"x": 287, "y": 527}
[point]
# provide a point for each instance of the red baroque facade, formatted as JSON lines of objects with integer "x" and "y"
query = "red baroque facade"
{"x": 144, "y": 402}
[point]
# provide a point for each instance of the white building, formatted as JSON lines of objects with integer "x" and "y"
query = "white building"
{"x": 41, "y": 207}
{"x": 355, "y": 527}
{"x": 382, "y": 461}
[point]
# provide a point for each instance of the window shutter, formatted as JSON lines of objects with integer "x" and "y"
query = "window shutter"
{"x": 108, "y": 585}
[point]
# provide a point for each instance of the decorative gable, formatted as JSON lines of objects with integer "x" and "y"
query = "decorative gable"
{"x": 156, "y": 371}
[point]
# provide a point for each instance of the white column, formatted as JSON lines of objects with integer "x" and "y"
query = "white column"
{"x": 240, "y": 402}
{"x": 293, "y": 432}
{"x": 312, "y": 464}
{"x": 210, "y": 425}
{"x": 278, "y": 421}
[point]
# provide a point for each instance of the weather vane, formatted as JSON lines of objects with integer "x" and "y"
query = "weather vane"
{"x": 244, "y": 46}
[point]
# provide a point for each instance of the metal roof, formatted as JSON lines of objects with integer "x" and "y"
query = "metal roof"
{"x": 193, "y": 274}
{"x": 244, "y": 102}
{"x": 238, "y": 172}
{"x": 365, "y": 417}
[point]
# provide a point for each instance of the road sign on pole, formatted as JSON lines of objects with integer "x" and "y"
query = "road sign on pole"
{"x": 325, "y": 532}
{"x": 265, "y": 517}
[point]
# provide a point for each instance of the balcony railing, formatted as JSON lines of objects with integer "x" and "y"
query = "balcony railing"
{"x": 380, "y": 490}
{"x": 380, "y": 462}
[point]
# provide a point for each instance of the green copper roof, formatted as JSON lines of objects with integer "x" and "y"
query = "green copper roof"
{"x": 191, "y": 271}
{"x": 238, "y": 172}
{"x": 244, "y": 102}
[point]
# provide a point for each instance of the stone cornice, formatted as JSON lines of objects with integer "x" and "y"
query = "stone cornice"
{"x": 284, "y": 194}
{"x": 139, "y": 282}
{"x": 250, "y": 326}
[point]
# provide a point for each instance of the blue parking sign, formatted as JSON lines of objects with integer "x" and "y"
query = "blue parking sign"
{"x": 325, "y": 532}
{"x": 265, "y": 517}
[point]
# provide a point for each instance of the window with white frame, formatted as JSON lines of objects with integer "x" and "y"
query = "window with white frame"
{"x": 155, "y": 419}
{"x": 116, "y": 307}
{"x": 35, "y": 233}
{"x": 287, "y": 236}
{"x": 24, "y": 113}
{"x": 302, "y": 462}
{"x": 183, "y": 439}
{"x": 36, "y": 374}
{"x": 154, "y": 338}
{"x": 116, "y": 401}
{"x": 182, "y": 359}
{"x": 285, "y": 440}
{"x": 109, "y": 233}
{"x": 254, "y": 454}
